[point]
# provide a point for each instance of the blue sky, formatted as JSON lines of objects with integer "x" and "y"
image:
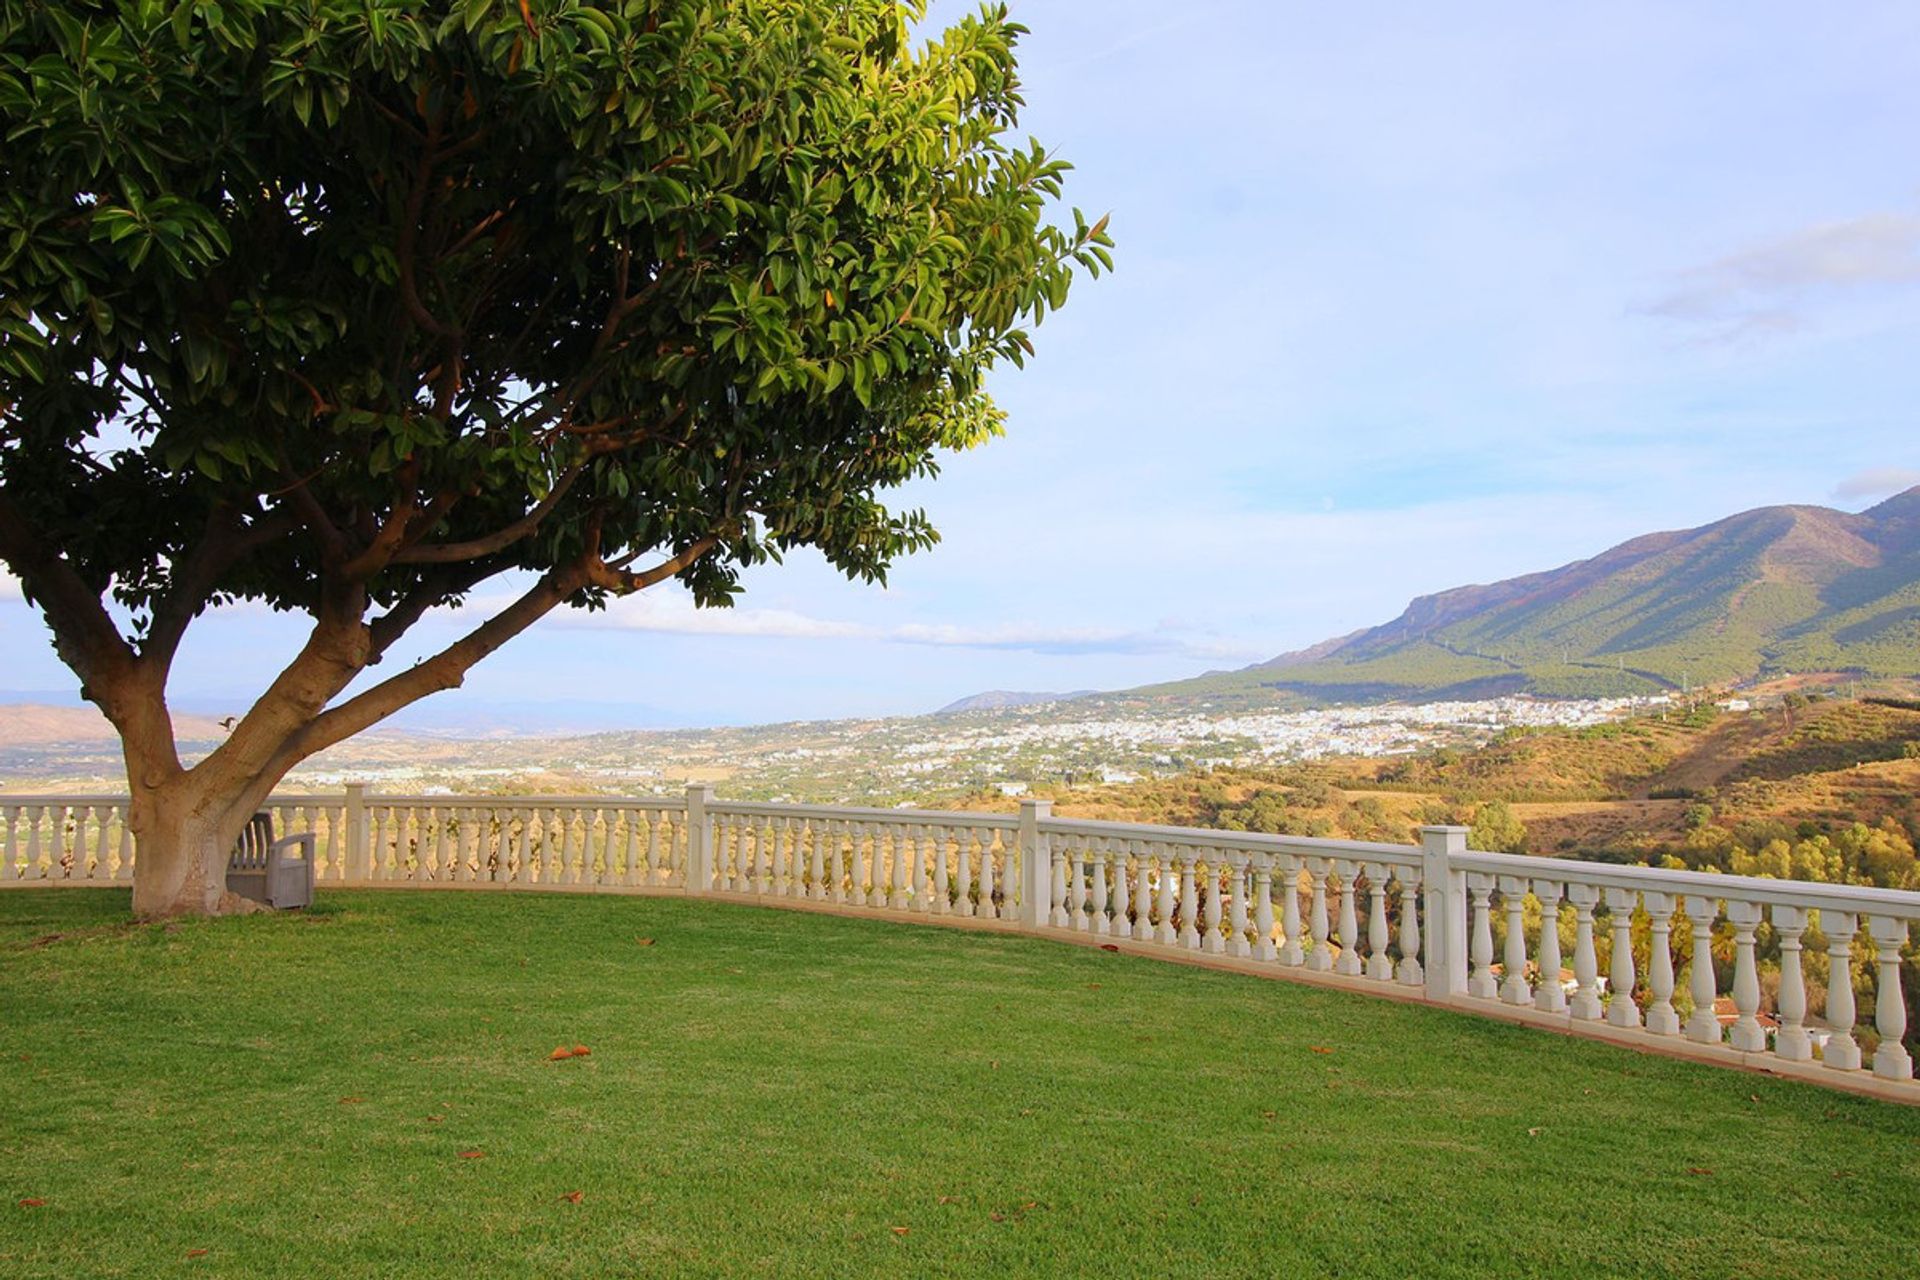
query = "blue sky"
{"x": 1408, "y": 296}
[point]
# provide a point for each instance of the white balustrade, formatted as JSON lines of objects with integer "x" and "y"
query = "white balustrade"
{"x": 1372, "y": 912}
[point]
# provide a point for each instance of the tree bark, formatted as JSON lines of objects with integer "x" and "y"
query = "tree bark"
{"x": 182, "y": 841}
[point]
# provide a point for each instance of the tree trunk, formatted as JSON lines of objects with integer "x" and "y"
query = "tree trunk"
{"x": 180, "y": 855}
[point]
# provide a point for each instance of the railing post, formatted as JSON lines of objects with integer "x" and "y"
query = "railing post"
{"x": 354, "y": 851}
{"x": 699, "y": 839}
{"x": 1446, "y": 931}
{"x": 1036, "y": 864}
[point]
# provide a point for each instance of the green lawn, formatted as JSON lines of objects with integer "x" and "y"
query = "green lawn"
{"x": 782, "y": 1094}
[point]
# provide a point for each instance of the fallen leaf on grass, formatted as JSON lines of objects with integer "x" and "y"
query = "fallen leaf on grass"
{"x": 32, "y": 1202}
{"x": 581, "y": 1051}
{"x": 1698, "y": 1172}
{"x": 345, "y": 1102}
{"x": 1534, "y": 1132}
{"x": 573, "y": 1197}
{"x": 997, "y": 1216}
{"x": 1108, "y": 946}
{"x": 1093, "y": 986}
{"x": 473, "y": 1155}
{"x": 996, "y": 1064}
{"x": 435, "y": 1119}
{"x": 1319, "y": 1048}
{"x": 645, "y": 942}
{"x": 559, "y": 1054}
{"x": 899, "y": 1231}
{"x": 1269, "y": 1115}
{"x": 196, "y": 1253}
{"x": 949, "y": 1199}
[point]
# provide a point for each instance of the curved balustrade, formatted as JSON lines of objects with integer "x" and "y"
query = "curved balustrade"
{"x": 1669, "y": 960}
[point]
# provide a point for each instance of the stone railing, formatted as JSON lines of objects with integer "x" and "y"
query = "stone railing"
{"x": 1516, "y": 937}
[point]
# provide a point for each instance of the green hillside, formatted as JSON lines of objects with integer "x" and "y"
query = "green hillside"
{"x": 1768, "y": 592}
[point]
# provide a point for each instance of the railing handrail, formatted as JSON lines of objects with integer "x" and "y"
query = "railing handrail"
{"x": 931, "y": 817}
{"x": 1346, "y": 850}
{"x": 1859, "y": 899}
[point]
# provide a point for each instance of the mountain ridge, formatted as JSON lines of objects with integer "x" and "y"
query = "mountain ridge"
{"x": 1791, "y": 588}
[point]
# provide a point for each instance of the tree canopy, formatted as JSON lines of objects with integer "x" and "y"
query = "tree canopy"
{"x": 347, "y": 306}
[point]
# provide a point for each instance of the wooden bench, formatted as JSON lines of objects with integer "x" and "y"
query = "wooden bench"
{"x": 276, "y": 872}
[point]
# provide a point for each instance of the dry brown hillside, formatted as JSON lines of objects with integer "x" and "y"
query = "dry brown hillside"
{"x": 33, "y": 725}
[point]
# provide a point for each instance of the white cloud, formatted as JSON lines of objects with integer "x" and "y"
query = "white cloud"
{"x": 667, "y": 610}
{"x": 1767, "y": 290}
{"x": 1877, "y": 482}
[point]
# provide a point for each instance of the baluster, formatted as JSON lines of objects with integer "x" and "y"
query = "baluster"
{"x": 917, "y": 850}
{"x": 786, "y": 858}
{"x": 1291, "y": 952}
{"x": 1791, "y": 1042}
{"x": 124, "y": 871}
{"x": 963, "y": 868}
{"x": 523, "y": 868}
{"x": 746, "y": 844}
{"x": 1237, "y": 923}
{"x": 1163, "y": 932}
{"x": 1263, "y": 948}
{"x": 766, "y": 856}
{"x": 442, "y": 864}
{"x": 897, "y": 856}
{"x": 1412, "y": 973}
{"x": 60, "y": 858}
{"x": 1348, "y": 962}
{"x": 1321, "y": 956}
{"x": 1662, "y": 1019}
{"x": 817, "y": 858}
{"x": 1142, "y": 892}
{"x": 632, "y": 872}
{"x": 9, "y": 866}
{"x": 1481, "y": 983}
{"x": 1213, "y": 942}
{"x": 772, "y": 863}
{"x": 846, "y": 863}
{"x": 466, "y": 841}
{"x": 82, "y": 863}
{"x": 1379, "y": 963}
{"x": 580, "y": 856}
{"x": 1122, "y": 891}
{"x": 1112, "y": 908}
{"x": 1550, "y": 997}
{"x": 860, "y": 870}
{"x": 1621, "y": 1010}
{"x": 942, "y": 890}
{"x": 31, "y": 869}
{"x": 1747, "y": 1035}
{"x": 1704, "y": 1024}
{"x": 1189, "y": 923}
{"x": 1076, "y": 885}
{"x": 1842, "y": 1051}
{"x": 1513, "y": 896}
{"x": 1097, "y": 924}
{"x": 1891, "y": 1061}
{"x": 983, "y": 840}
{"x": 1057, "y": 854}
{"x": 377, "y": 821}
{"x": 656, "y": 869}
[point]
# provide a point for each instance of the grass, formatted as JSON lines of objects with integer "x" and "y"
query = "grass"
{"x": 784, "y": 1094}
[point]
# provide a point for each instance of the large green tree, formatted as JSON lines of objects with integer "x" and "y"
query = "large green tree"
{"x": 347, "y": 306}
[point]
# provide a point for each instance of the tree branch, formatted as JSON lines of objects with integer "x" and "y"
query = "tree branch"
{"x": 224, "y": 543}
{"x": 499, "y": 540}
{"x": 86, "y": 637}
